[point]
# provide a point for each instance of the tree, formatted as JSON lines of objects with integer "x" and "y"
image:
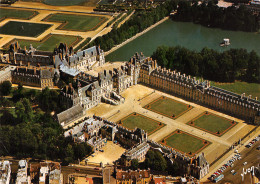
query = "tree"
{"x": 134, "y": 164}
{"x": 5, "y": 88}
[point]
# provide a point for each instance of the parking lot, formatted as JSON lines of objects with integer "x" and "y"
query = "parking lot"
{"x": 231, "y": 171}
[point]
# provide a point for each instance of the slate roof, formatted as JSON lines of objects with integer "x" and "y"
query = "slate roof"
{"x": 70, "y": 114}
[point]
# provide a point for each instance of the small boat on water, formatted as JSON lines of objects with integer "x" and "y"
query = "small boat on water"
{"x": 225, "y": 42}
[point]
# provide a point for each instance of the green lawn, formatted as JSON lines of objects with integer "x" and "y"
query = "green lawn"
{"x": 63, "y": 2}
{"x": 23, "y": 28}
{"x": 185, "y": 142}
{"x": 140, "y": 121}
{"x": 77, "y": 22}
{"x": 212, "y": 124}
{"x": 168, "y": 107}
{"x": 49, "y": 43}
{"x": 241, "y": 87}
{"x": 15, "y": 13}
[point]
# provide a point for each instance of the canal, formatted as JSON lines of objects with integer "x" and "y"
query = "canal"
{"x": 186, "y": 34}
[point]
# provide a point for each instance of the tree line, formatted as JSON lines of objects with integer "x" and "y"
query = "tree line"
{"x": 227, "y": 66}
{"x": 210, "y": 15}
{"x": 29, "y": 129}
{"x": 137, "y": 23}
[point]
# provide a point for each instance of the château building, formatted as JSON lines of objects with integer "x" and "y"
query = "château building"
{"x": 201, "y": 92}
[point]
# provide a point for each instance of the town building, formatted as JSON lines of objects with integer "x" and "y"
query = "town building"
{"x": 5, "y": 172}
{"x": 22, "y": 177}
{"x": 129, "y": 176}
{"x": 46, "y": 172}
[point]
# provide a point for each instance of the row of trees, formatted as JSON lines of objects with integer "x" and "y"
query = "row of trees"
{"x": 139, "y": 22}
{"x": 31, "y": 131}
{"x": 211, "y": 15}
{"x": 227, "y": 66}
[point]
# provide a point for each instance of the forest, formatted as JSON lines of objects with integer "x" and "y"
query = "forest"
{"x": 29, "y": 129}
{"x": 210, "y": 15}
{"x": 227, "y": 66}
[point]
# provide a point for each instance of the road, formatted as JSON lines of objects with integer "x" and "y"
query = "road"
{"x": 66, "y": 170}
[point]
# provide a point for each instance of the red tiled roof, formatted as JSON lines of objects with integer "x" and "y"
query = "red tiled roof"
{"x": 159, "y": 181}
{"x": 121, "y": 175}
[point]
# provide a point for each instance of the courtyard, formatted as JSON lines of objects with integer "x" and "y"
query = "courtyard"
{"x": 185, "y": 142}
{"x": 168, "y": 107}
{"x": 212, "y": 123}
{"x": 111, "y": 153}
{"x": 23, "y": 28}
{"x": 137, "y": 120}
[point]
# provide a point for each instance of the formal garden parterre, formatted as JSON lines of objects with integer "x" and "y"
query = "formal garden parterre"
{"x": 76, "y": 22}
{"x": 49, "y": 42}
{"x": 16, "y": 14}
{"x": 185, "y": 143}
{"x": 140, "y": 121}
{"x": 23, "y": 28}
{"x": 168, "y": 107}
{"x": 212, "y": 123}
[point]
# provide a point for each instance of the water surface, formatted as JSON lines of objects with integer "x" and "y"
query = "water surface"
{"x": 186, "y": 34}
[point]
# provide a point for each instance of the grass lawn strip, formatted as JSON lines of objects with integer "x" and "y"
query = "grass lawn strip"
{"x": 49, "y": 42}
{"x": 212, "y": 123}
{"x": 240, "y": 87}
{"x": 73, "y": 22}
{"x": 185, "y": 143}
{"x": 168, "y": 107}
{"x": 23, "y": 28}
{"x": 137, "y": 120}
{"x": 16, "y": 14}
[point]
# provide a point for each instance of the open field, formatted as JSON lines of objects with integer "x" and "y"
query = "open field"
{"x": 137, "y": 120}
{"x": 23, "y": 28}
{"x": 240, "y": 87}
{"x": 212, "y": 123}
{"x": 73, "y": 22}
{"x": 16, "y": 14}
{"x": 185, "y": 143}
{"x": 168, "y": 107}
{"x": 49, "y": 42}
